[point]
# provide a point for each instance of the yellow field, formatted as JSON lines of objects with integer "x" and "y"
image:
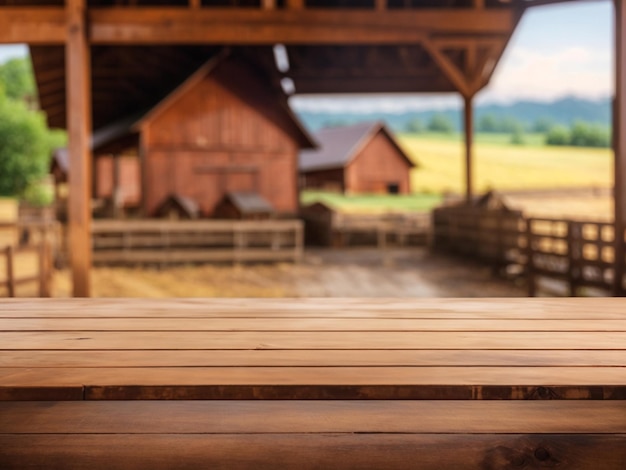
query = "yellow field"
{"x": 503, "y": 167}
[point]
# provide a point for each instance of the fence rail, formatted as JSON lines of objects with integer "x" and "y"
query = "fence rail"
{"x": 26, "y": 265}
{"x": 175, "y": 242}
{"x": 579, "y": 253}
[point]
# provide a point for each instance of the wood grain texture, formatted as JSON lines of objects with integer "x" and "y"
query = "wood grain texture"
{"x": 312, "y": 451}
{"x": 293, "y": 416}
{"x": 251, "y": 340}
{"x": 304, "y": 358}
{"x": 285, "y": 349}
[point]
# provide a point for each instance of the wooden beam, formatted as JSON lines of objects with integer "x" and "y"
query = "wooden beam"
{"x": 32, "y": 25}
{"x": 469, "y": 147}
{"x": 79, "y": 130}
{"x": 257, "y": 26}
{"x": 619, "y": 142}
{"x": 456, "y": 76}
{"x": 269, "y": 4}
{"x": 296, "y": 4}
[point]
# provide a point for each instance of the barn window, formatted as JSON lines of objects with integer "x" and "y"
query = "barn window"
{"x": 393, "y": 188}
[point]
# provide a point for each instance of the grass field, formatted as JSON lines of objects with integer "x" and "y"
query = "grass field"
{"x": 372, "y": 203}
{"x": 500, "y": 165}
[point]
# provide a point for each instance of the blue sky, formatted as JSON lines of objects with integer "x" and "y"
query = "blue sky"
{"x": 557, "y": 51}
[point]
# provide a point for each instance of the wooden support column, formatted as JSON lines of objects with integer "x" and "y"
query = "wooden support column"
{"x": 78, "y": 86}
{"x": 295, "y": 4}
{"x": 619, "y": 143}
{"x": 469, "y": 146}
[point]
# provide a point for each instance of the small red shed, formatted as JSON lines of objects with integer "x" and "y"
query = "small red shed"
{"x": 362, "y": 158}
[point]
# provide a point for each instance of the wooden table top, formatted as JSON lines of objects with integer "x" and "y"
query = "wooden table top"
{"x": 455, "y": 349}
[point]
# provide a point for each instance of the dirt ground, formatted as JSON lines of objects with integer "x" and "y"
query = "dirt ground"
{"x": 351, "y": 272}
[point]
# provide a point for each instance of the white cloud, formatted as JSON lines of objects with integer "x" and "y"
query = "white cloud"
{"x": 529, "y": 74}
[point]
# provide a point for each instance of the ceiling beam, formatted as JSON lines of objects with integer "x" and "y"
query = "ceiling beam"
{"x": 32, "y": 25}
{"x": 153, "y": 26}
{"x": 238, "y": 27}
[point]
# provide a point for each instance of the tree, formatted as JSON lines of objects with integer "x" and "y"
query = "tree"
{"x": 488, "y": 123}
{"x": 414, "y": 126}
{"x": 17, "y": 80}
{"x": 543, "y": 125}
{"x": 24, "y": 147}
{"x": 558, "y": 135}
{"x": 588, "y": 135}
{"x": 440, "y": 123}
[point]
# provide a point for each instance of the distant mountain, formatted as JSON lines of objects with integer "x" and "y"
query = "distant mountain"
{"x": 564, "y": 111}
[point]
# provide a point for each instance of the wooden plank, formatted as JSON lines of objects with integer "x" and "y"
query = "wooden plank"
{"x": 356, "y": 358}
{"x": 33, "y": 25}
{"x": 305, "y": 324}
{"x": 100, "y": 358}
{"x": 541, "y": 308}
{"x": 312, "y": 340}
{"x": 328, "y": 416}
{"x": 131, "y": 25}
{"x": 151, "y": 382}
{"x": 78, "y": 85}
{"x": 193, "y": 256}
{"x": 311, "y": 451}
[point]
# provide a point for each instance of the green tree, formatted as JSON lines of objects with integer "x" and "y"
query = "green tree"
{"x": 558, "y": 135}
{"x": 25, "y": 146}
{"x": 17, "y": 79}
{"x": 543, "y": 125}
{"x": 488, "y": 123}
{"x": 414, "y": 126}
{"x": 440, "y": 123}
{"x": 588, "y": 135}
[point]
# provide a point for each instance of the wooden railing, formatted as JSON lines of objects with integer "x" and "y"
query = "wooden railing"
{"x": 26, "y": 256}
{"x": 197, "y": 241}
{"x": 26, "y": 265}
{"x": 577, "y": 253}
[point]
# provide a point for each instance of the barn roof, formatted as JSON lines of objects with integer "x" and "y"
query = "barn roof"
{"x": 272, "y": 104}
{"x": 338, "y": 146}
{"x": 249, "y": 202}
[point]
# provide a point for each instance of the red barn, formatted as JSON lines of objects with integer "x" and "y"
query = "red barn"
{"x": 362, "y": 158}
{"x": 225, "y": 129}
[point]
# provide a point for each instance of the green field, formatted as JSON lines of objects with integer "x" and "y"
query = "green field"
{"x": 374, "y": 202}
{"x": 498, "y": 165}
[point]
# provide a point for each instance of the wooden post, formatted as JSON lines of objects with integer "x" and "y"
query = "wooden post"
{"x": 469, "y": 138}
{"x": 619, "y": 143}
{"x": 530, "y": 267}
{"x": 44, "y": 269}
{"x": 381, "y": 5}
{"x": 295, "y": 4}
{"x": 9, "y": 254}
{"x": 78, "y": 87}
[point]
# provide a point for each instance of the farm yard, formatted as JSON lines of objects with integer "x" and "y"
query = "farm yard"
{"x": 356, "y": 272}
{"x": 573, "y": 183}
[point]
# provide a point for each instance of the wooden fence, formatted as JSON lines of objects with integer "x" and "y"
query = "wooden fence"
{"x": 26, "y": 265}
{"x": 331, "y": 228}
{"x": 196, "y": 241}
{"x": 580, "y": 254}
